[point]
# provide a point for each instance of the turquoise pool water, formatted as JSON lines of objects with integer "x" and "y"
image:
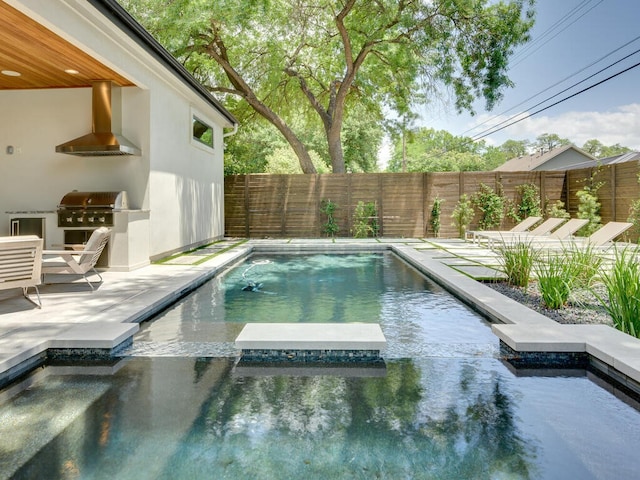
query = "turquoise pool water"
{"x": 444, "y": 407}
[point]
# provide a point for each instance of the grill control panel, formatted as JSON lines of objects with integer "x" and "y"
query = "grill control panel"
{"x": 85, "y": 218}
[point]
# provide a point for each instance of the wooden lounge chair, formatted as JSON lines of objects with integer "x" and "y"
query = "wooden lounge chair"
{"x": 78, "y": 262}
{"x": 20, "y": 263}
{"x": 523, "y": 226}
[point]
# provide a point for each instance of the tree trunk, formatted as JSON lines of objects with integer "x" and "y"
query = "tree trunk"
{"x": 298, "y": 147}
{"x": 334, "y": 144}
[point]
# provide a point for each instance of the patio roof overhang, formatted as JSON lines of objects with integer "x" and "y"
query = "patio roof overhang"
{"x": 44, "y": 59}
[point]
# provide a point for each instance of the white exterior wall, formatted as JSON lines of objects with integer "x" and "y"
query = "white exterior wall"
{"x": 178, "y": 183}
{"x": 187, "y": 178}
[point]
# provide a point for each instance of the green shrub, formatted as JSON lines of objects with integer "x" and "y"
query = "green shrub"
{"x": 436, "y": 210}
{"x": 634, "y": 217}
{"x": 556, "y": 278}
{"x": 462, "y": 215}
{"x": 330, "y": 228}
{"x": 365, "y": 220}
{"x": 557, "y": 210}
{"x": 589, "y": 206}
{"x": 623, "y": 291}
{"x": 529, "y": 205}
{"x": 588, "y": 209}
{"x": 517, "y": 262}
{"x": 585, "y": 262}
{"x": 491, "y": 205}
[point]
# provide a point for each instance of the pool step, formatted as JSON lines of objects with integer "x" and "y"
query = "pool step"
{"x": 311, "y": 342}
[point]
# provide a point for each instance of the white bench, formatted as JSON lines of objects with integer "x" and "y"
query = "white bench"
{"x": 313, "y": 342}
{"x": 21, "y": 264}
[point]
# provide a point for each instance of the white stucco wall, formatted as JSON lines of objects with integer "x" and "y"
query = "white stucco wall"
{"x": 186, "y": 180}
{"x": 179, "y": 183}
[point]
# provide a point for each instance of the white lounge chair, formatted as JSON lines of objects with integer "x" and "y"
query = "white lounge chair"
{"x": 601, "y": 238}
{"x": 77, "y": 262}
{"x": 523, "y": 226}
{"x": 20, "y": 263}
{"x": 543, "y": 229}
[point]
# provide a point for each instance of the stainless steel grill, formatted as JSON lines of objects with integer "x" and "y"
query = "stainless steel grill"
{"x": 90, "y": 209}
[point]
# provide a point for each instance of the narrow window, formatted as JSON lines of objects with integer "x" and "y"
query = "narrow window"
{"x": 202, "y": 132}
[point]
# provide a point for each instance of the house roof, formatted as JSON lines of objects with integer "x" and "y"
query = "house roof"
{"x": 625, "y": 157}
{"x": 533, "y": 161}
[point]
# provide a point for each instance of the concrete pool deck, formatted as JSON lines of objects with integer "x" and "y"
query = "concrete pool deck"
{"x": 74, "y": 317}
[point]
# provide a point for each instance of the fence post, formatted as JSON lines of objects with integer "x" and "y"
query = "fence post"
{"x": 612, "y": 172}
{"x": 247, "y": 213}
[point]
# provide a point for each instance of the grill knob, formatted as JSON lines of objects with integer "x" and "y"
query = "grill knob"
{"x": 91, "y": 219}
{"x": 101, "y": 219}
{"x": 69, "y": 219}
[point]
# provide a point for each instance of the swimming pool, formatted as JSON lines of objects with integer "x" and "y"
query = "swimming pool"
{"x": 444, "y": 406}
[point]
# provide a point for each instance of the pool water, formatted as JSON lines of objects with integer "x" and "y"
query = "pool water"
{"x": 444, "y": 406}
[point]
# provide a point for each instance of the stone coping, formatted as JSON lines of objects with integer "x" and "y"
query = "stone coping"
{"x": 311, "y": 336}
{"x": 525, "y": 330}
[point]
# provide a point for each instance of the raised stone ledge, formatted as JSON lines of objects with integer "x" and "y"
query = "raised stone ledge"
{"x": 311, "y": 342}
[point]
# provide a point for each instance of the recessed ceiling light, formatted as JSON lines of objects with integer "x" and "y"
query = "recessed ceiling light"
{"x": 71, "y": 71}
{"x": 10, "y": 73}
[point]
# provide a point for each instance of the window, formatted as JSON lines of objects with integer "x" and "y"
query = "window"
{"x": 202, "y": 132}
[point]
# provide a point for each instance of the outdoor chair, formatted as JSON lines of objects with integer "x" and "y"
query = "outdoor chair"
{"x": 543, "y": 229}
{"x": 523, "y": 226}
{"x": 601, "y": 238}
{"x": 77, "y": 262}
{"x": 20, "y": 263}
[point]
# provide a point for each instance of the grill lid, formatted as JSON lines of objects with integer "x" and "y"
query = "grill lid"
{"x": 113, "y": 200}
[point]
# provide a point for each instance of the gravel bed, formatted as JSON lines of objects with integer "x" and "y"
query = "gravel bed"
{"x": 582, "y": 308}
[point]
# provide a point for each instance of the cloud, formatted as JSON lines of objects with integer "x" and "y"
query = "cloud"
{"x": 620, "y": 125}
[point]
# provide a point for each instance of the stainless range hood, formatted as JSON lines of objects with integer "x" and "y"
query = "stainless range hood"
{"x": 102, "y": 141}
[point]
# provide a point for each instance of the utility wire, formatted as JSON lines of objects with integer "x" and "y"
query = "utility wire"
{"x": 560, "y": 92}
{"x": 493, "y": 130}
{"x": 552, "y": 86}
{"x": 560, "y": 101}
{"x": 550, "y": 29}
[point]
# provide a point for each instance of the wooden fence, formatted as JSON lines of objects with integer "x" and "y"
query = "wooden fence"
{"x": 262, "y": 205}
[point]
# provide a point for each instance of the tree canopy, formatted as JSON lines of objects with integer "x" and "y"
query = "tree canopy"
{"x": 319, "y": 59}
{"x": 428, "y": 150}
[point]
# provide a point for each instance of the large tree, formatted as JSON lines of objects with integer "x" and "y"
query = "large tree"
{"x": 317, "y": 57}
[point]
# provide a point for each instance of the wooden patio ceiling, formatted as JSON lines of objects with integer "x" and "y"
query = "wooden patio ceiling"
{"x": 42, "y": 58}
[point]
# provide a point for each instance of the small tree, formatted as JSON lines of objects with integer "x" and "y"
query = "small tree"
{"x": 365, "y": 220}
{"x": 330, "y": 227}
{"x": 462, "y": 215}
{"x": 436, "y": 210}
{"x": 491, "y": 205}
{"x": 557, "y": 210}
{"x": 529, "y": 205}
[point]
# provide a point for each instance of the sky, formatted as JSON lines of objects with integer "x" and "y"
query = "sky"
{"x": 571, "y": 40}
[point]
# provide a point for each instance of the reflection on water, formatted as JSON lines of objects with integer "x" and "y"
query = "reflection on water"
{"x": 431, "y": 419}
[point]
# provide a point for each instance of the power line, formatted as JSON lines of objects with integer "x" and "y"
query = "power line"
{"x": 550, "y": 29}
{"x": 560, "y": 101}
{"x": 554, "y": 85}
{"x": 562, "y": 91}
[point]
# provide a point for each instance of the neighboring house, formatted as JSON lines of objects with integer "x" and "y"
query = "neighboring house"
{"x": 51, "y": 52}
{"x": 561, "y": 158}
